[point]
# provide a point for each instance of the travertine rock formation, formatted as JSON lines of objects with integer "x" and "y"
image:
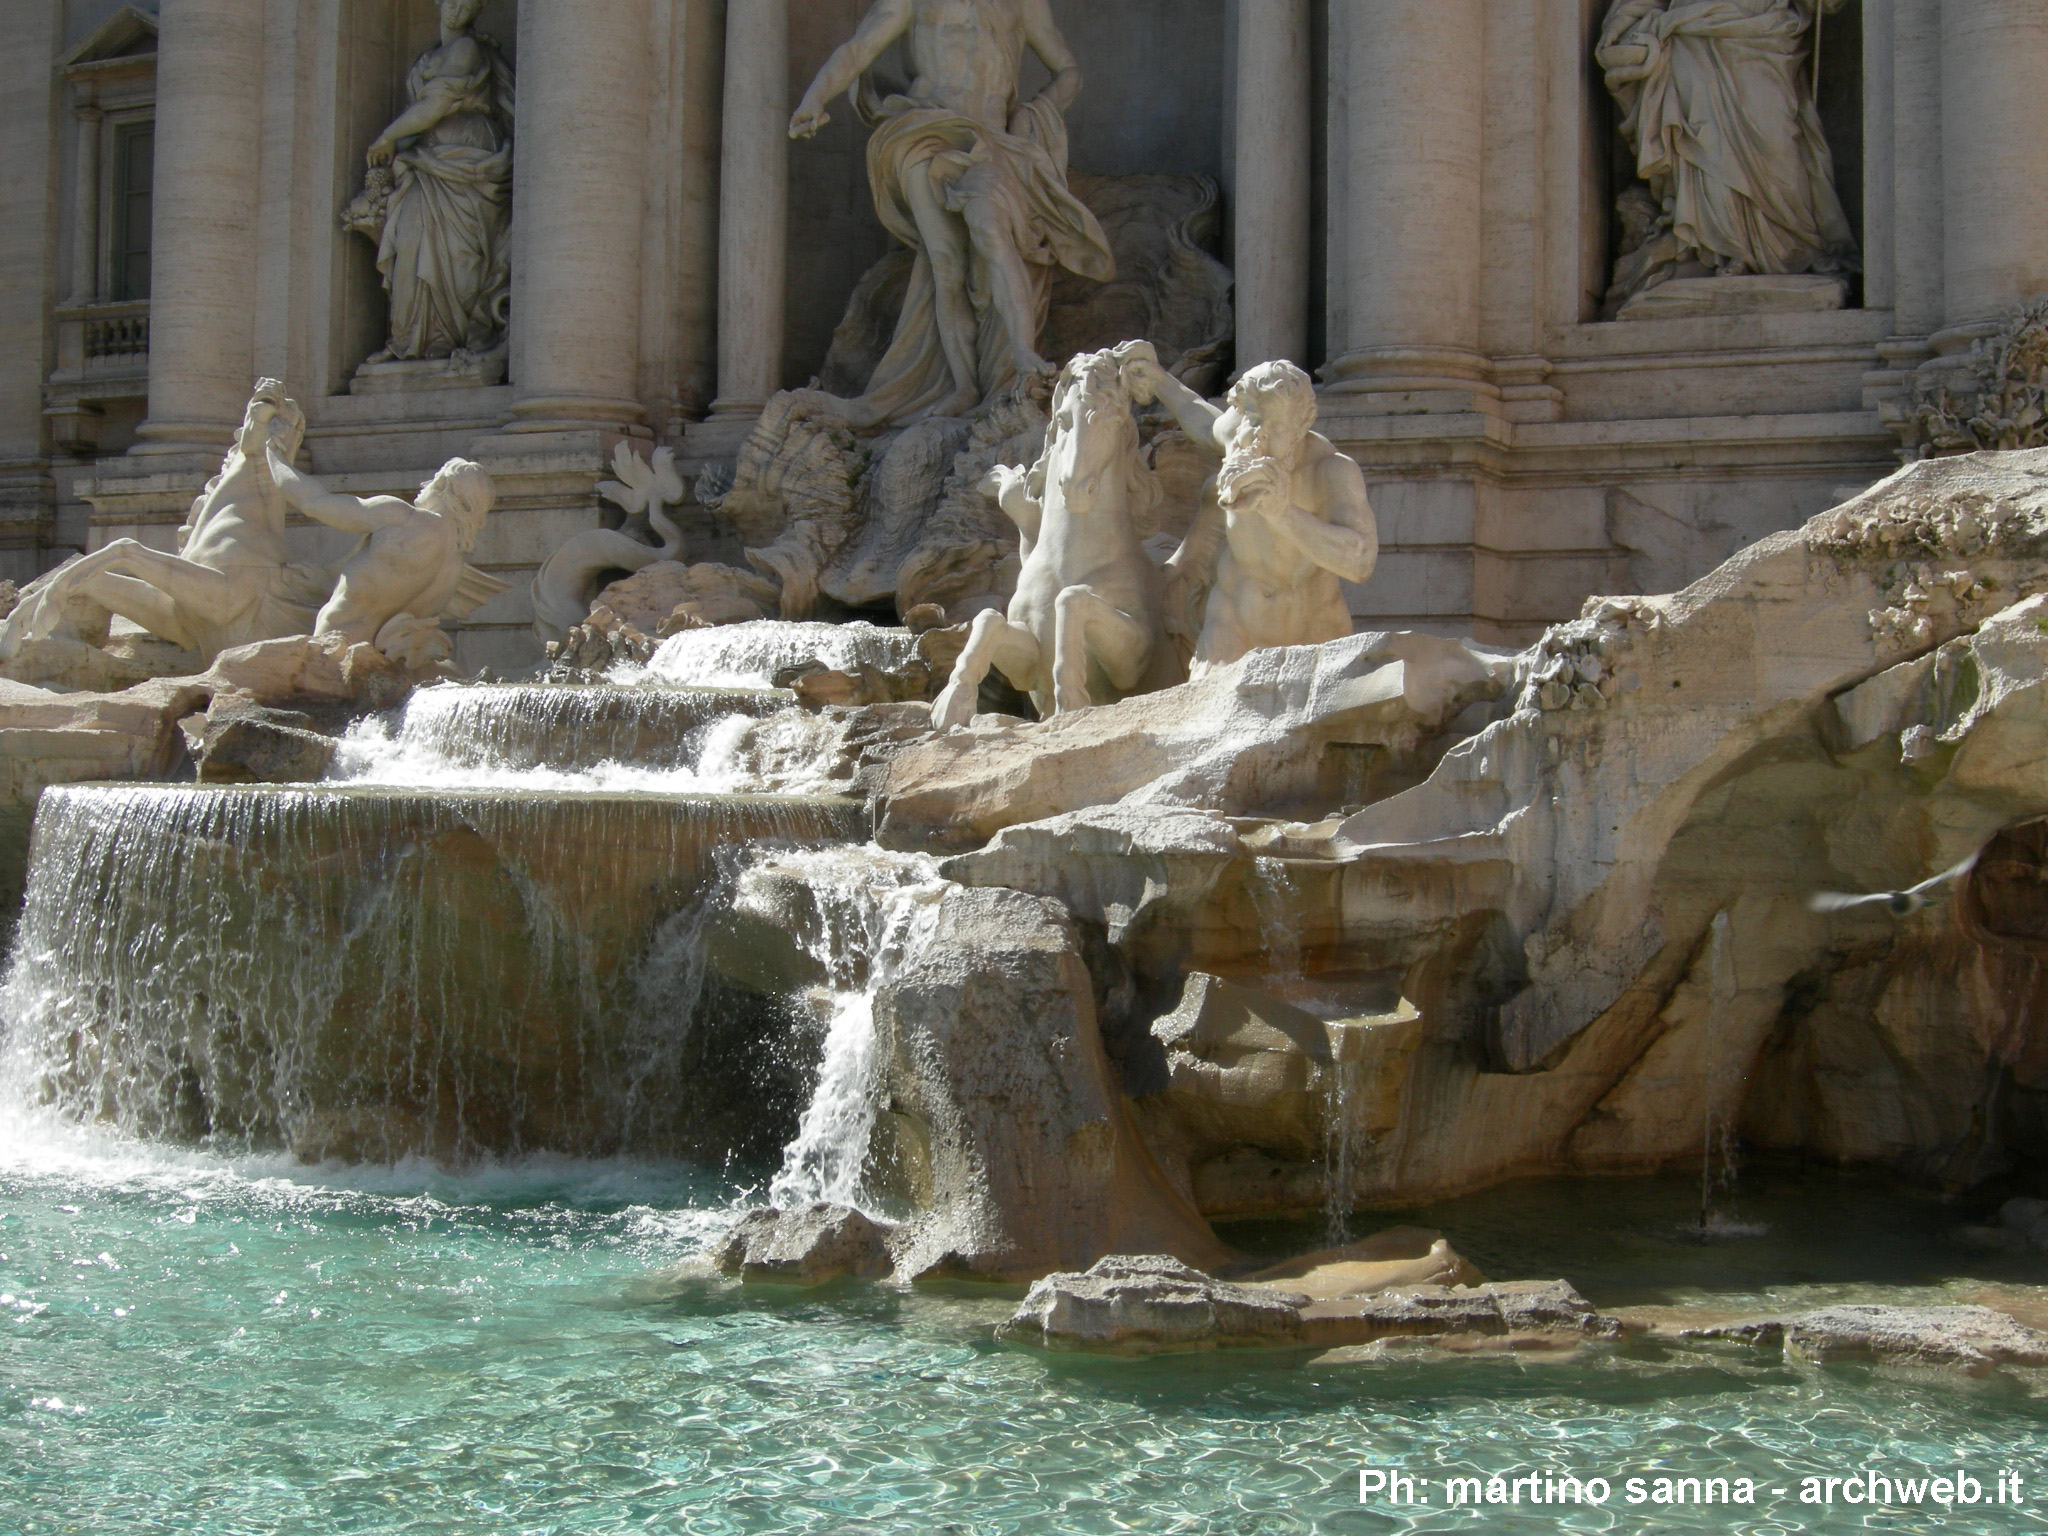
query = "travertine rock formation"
{"x": 1596, "y": 909}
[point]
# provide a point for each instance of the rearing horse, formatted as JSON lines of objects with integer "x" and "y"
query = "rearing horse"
{"x": 229, "y": 584}
{"x": 1085, "y": 623}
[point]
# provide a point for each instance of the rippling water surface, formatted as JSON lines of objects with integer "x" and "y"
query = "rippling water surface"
{"x": 194, "y": 1346}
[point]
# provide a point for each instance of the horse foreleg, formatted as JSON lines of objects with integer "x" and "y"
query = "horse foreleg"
{"x": 1090, "y": 631}
{"x": 168, "y": 596}
{"x": 995, "y": 643}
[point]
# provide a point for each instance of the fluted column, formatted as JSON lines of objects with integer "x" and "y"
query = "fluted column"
{"x": 578, "y": 201}
{"x": 753, "y": 206}
{"x": 1994, "y": 94}
{"x": 209, "y": 143}
{"x": 1275, "y": 129}
{"x": 1416, "y": 132}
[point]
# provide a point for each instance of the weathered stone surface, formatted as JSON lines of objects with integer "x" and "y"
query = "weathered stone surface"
{"x": 1259, "y": 737}
{"x": 325, "y": 668}
{"x": 1971, "y": 1339}
{"x": 805, "y": 1247}
{"x": 1006, "y": 1128}
{"x": 1151, "y": 1306}
{"x": 1508, "y": 1309}
{"x": 267, "y": 747}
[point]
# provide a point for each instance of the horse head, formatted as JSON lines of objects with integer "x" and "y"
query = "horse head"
{"x": 269, "y": 404}
{"x": 1093, "y": 423}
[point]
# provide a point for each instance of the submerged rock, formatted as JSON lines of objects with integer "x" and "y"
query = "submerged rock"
{"x": 1149, "y": 1306}
{"x": 805, "y": 1247}
{"x": 1971, "y": 1339}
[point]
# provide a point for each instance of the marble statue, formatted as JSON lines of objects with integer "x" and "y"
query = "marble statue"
{"x": 565, "y": 587}
{"x": 410, "y": 570}
{"x": 438, "y": 200}
{"x": 1282, "y": 526}
{"x": 230, "y": 583}
{"x": 1085, "y": 624}
{"x": 973, "y": 180}
{"x": 1717, "y": 103}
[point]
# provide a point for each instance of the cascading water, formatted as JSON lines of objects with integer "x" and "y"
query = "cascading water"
{"x": 1717, "y": 1136}
{"x": 864, "y": 909}
{"x": 369, "y": 973}
{"x": 750, "y": 655}
{"x": 453, "y": 733}
{"x": 1274, "y": 898}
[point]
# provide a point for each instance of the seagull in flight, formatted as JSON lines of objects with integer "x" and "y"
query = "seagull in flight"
{"x": 1917, "y": 898}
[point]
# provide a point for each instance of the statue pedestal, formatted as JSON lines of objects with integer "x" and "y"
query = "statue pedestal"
{"x": 1689, "y": 298}
{"x": 476, "y": 371}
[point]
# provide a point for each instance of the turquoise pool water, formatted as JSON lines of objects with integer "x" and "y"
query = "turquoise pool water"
{"x": 189, "y": 1345}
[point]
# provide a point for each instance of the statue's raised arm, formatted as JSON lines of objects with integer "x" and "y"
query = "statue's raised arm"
{"x": 888, "y": 21}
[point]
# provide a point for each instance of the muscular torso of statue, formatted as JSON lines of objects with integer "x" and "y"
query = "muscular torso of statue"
{"x": 967, "y": 54}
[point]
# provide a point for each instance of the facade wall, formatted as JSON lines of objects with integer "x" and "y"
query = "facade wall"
{"x": 1522, "y": 452}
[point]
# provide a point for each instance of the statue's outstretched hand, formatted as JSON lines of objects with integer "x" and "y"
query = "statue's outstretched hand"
{"x": 808, "y": 120}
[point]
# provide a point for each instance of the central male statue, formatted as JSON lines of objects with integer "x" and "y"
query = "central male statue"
{"x": 973, "y": 180}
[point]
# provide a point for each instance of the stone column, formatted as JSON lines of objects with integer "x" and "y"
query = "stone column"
{"x": 1994, "y": 95}
{"x": 577, "y": 205}
{"x": 1414, "y": 77}
{"x": 209, "y": 145}
{"x": 85, "y": 209}
{"x": 753, "y": 206}
{"x": 1275, "y": 131}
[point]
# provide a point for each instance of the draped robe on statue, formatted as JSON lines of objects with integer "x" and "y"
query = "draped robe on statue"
{"x": 1718, "y": 108}
{"x": 445, "y": 249}
{"x": 1025, "y": 180}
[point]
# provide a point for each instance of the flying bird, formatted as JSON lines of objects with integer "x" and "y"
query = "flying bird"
{"x": 1904, "y": 903}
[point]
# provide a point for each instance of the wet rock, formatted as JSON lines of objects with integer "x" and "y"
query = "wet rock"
{"x": 1007, "y": 1130}
{"x": 1535, "y": 1309}
{"x": 1150, "y": 1306}
{"x": 1974, "y": 1340}
{"x": 2022, "y": 1227}
{"x": 262, "y": 746}
{"x": 805, "y": 1247}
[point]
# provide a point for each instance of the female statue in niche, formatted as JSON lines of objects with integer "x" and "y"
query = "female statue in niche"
{"x": 1718, "y": 105}
{"x": 438, "y": 199}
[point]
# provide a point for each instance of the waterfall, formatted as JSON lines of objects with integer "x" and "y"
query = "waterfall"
{"x": 862, "y": 911}
{"x": 544, "y": 736}
{"x": 368, "y": 973}
{"x": 1340, "y": 1141}
{"x": 1274, "y": 900}
{"x": 1714, "y": 1128}
{"x": 750, "y": 655}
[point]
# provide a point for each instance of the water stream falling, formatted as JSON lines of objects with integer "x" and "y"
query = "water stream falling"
{"x": 585, "y": 737}
{"x": 1274, "y": 898}
{"x": 750, "y": 655}
{"x": 1716, "y": 1134}
{"x": 370, "y": 973}
{"x": 863, "y": 911}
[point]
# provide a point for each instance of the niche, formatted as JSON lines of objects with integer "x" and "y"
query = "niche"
{"x": 1839, "y": 101}
{"x": 377, "y": 46}
{"x": 1154, "y": 102}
